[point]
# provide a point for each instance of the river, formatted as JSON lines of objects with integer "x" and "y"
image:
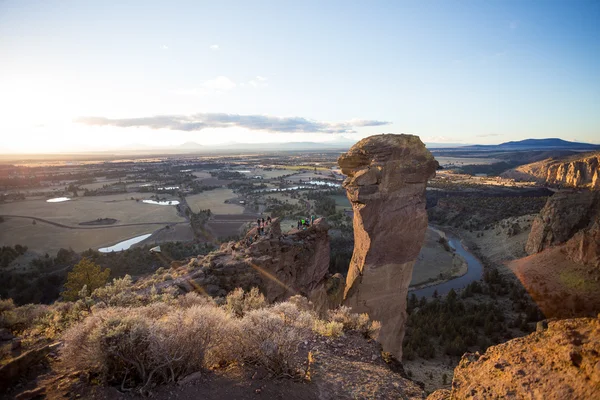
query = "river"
{"x": 474, "y": 272}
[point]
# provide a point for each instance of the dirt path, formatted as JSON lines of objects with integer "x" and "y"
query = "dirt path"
{"x": 91, "y": 227}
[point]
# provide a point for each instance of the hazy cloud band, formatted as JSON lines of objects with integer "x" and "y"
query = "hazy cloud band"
{"x": 197, "y": 122}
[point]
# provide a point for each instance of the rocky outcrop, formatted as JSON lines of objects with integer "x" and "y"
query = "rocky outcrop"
{"x": 280, "y": 265}
{"x": 12, "y": 370}
{"x": 571, "y": 218}
{"x": 387, "y": 176}
{"x": 562, "y": 362}
{"x": 581, "y": 170}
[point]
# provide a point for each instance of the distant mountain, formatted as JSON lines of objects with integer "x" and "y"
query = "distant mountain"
{"x": 538, "y": 144}
{"x": 190, "y": 146}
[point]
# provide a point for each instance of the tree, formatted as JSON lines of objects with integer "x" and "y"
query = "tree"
{"x": 85, "y": 273}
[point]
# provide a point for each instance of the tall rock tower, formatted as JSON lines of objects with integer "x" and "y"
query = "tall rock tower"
{"x": 387, "y": 176}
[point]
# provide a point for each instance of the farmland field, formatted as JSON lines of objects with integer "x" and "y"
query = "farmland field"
{"x": 82, "y": 209}
{"x": 43, "y": 238}
{"x": 215, "y": 201}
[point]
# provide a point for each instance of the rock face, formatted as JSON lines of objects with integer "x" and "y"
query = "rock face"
{"x": 562, "y": 362}
{"x": 280, "y": 265}
{"x": 581, "y": 170}
{"x": 571, "y": 218}
{"x": 387, "y": 176}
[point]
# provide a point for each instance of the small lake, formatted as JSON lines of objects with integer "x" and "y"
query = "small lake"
{"x": 474, "y": 272}
{"x": 315, "y": 183}
{"x": 162, "y": 203}
{"x": 58, "y": 200}
{"x": 324, "y": 183}
{"x": 124, "y": 245}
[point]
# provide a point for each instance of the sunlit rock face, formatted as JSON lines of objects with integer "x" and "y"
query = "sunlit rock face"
{"x": 387, "y": 176}
{"x": 571, "y": 218}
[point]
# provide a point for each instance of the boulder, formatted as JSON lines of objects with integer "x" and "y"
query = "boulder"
{"x": 387, "y": 177}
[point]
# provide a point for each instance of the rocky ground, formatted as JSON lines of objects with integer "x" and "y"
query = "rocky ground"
{"x": 561, "y": 362}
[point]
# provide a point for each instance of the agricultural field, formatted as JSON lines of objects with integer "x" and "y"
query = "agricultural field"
{"x": 43, "y": 238}
{"x": 83, "y": 209}
{"x": 215, "y": 201}
{"x": 273, "y": 174}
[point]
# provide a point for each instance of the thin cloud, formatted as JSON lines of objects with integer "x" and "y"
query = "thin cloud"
{"x": 214, "y": 47}
{"x": 489, "y": 135}
{"x": 258, "y": 81}
{"x": 512, "y": 25}
{"x": 164, "y": 47}
{"x": 197, "y": 122}
{"x": 219, "y": 83}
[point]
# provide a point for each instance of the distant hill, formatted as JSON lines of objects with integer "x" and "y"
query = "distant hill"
{"x": 538, "y": 144}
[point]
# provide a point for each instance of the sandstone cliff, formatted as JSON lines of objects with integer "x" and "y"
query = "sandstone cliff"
{"x": 581, "y": 170}
{"x": 280, "y": 265}
{"x": 571, "y": 218}
{"x": 562, "y": 362}
{"x": 387, "y": 176}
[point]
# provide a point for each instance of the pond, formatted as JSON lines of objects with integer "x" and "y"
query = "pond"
{"x": 124, "y": 245}
{"x": 474, "y": 272}
{"x": 162, "y": 203}
{"x": 58, "y": 200}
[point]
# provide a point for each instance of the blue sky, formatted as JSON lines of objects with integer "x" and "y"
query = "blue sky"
{"x": 163, "y": 73}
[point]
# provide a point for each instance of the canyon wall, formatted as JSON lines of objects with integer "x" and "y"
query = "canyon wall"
{"x": 582, "y": 170}
{"x": 572, "y": 219}
{"x": 386, "y": 180}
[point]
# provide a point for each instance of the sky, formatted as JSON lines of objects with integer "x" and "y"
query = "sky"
{"x": 100, "y": 75}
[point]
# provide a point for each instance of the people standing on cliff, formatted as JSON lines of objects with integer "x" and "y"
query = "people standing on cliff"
{"x": 312, "y": 219}
{"x": 263, "y": 222}
{"x": 258, "y": 223}
{"x": 299, "y": 224}
{"x": 269, "y": 220}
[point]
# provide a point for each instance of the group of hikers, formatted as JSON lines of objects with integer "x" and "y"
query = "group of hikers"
{"x": 261, "y": 224}
{"x": 305, "y": 223}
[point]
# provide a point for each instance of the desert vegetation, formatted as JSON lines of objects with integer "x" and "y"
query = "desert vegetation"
{"x": 136, "y": 340}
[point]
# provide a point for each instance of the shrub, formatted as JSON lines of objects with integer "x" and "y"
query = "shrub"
{"x": 355, "y": 322}
{"x": 194, "y": 299}
{"x": 18, "y": 319}
{"x": 119, "y": 293}
{"x": 331, "y": 328}
{"x": 145, "y": 345}
{"x": 239, "y": 303}
{"x": 271, "y": 341}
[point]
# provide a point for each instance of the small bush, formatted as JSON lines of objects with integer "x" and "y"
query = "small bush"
{"x": 239, "y": 303}
{"x": 272, "y": 341}
{"x": 330, "y": 329}
{"x": 355, "y": 322}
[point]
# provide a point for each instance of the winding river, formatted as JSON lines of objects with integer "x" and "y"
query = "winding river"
{"x": 474, "y": 272}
